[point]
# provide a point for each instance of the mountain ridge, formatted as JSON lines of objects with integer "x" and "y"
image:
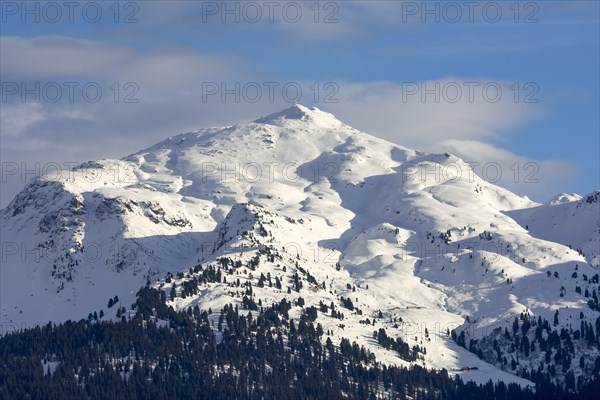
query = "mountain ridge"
{"x": 434, "y": 242}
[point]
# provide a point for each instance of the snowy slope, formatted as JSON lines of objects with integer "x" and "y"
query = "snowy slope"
{"x": 438, "y": 247}
{"x": 567, "y": 219}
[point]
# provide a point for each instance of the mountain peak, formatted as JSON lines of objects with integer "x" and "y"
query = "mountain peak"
{"x": 563, "y": 198}
{"x": 298, "y": 112}
{"x": 322, "y": 209}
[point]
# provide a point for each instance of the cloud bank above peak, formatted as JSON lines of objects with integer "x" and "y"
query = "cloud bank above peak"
{"x": 149, "y": 94}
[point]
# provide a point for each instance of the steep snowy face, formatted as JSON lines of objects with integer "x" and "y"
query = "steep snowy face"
{"x": 324, "y": 208}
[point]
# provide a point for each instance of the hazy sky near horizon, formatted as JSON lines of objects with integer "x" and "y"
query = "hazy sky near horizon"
{"x": 509, "y": 84}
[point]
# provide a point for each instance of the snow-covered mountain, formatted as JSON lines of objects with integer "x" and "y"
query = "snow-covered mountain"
{"x": 299, "y": 205}
{"x": 568, "y": 219}
{"x": 563, "y": 198}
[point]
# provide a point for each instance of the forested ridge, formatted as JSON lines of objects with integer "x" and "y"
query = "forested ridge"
{"x": 155, "y": 352}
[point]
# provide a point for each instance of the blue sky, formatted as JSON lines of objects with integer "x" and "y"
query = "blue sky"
{"x": 365, "y": 56}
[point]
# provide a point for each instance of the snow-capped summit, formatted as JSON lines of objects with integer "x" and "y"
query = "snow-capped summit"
{"x": 402, "y": 239}
{"x": 563, "y": 198}
{"x": 296, "y": 111}
{"x": 302, "y": 113}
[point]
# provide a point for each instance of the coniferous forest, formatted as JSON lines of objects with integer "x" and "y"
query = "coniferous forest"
{"x": 154, "y": 352}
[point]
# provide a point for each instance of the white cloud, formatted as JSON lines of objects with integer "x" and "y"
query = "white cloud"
{"x": 170, "y": 102}
{"x": 57, "y": 56}
{"x": 17, "y": 118}
{"x": 52, "y": 57}
{"x": 539, "y": 179}
{"x": 390, "y": 110}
